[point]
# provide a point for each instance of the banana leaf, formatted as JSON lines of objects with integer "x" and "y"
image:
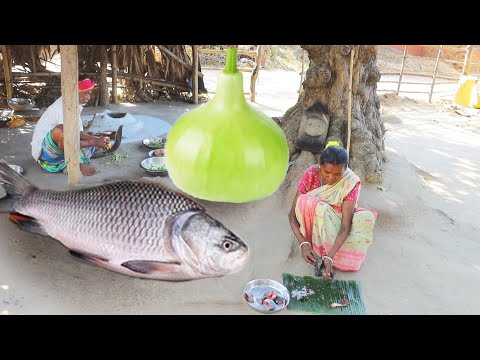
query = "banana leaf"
{"x": 314, "y": 294}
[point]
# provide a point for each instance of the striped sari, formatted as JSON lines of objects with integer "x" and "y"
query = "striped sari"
{"x": 52, "y": 158}
{"x": 319, "y": 213}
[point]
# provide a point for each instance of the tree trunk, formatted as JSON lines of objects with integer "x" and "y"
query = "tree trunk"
{"x": 321, "y": 112}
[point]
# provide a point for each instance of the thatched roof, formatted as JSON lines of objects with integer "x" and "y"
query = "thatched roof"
{"x": 143, "y": 70}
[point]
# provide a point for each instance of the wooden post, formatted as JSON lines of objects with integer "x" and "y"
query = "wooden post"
{"x": 32, "y": 55}
{"x": 7, "y": 70}
{"x": 435, "y": 73}
{"x": 262, "y": 56}
{"x": 103, "y": 91}
{"x": 468, "y": 59}
{"x": 301, "y": 74}
{"x": 255, "y": 73}
{"x": 195, "y": 73}
{"x": 350, "y": 82}
{"x": 71, "y": 128}
{"x": 401, "y": 70}
{"x": 114, "y": 74}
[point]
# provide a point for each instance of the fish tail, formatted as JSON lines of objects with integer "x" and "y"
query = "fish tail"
{"x": 13, "y": 184}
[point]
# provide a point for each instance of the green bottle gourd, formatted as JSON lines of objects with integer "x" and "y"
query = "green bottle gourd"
{"x": 225, "y": 150}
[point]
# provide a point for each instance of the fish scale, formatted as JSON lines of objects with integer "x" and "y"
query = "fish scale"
{"x": 124, "y": 215}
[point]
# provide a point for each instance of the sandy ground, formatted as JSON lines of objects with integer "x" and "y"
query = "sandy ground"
{"x": 425, "y": 258}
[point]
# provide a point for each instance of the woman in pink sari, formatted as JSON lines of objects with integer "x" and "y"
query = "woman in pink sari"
{"x": 325, "y": 216}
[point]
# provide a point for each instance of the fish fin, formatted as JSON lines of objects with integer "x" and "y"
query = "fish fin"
{"x": 27, "y": 223}
{"x": 13, "y": 183}
{"x": 97, "y": 260}
{"x": 149, "y": 267}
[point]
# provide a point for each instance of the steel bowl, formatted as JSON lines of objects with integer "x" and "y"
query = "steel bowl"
{"x": 21, "y": 104}
{"x": 155, "y": 142}
{"x": 151, "y": 163}
{"x": 3, "y": 121}
{"x": 157, "y": 152}
{"x": 258, "y": 288}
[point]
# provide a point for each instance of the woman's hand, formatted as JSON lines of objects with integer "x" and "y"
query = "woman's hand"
{"x": 327, "y": 273}
{"x": 308, "y": 255}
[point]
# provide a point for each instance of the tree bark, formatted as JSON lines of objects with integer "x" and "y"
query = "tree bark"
{"x": 321, "y": 111}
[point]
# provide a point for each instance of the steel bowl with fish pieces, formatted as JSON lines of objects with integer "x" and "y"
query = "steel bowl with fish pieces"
{"x": 266, "y": 296}
{"x": 155, "y": 165}
{"x": 155, "y": 142}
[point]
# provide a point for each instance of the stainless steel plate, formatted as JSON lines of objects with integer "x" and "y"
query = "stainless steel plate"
{"x": 258, "y": 288}
{"x": 21, "y": 104}
{"x": 155, "y": 142}
{"x": 152, "y": 163}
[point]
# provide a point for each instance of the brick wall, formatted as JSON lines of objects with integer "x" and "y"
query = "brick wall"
{"x": 457, "y": 55}
{"x": 416, "y": 50}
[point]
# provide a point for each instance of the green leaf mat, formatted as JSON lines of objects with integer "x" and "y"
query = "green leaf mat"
{"x": 325, "y": 293}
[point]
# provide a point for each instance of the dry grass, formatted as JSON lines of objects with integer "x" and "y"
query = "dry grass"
{"x": 137, "y": 60}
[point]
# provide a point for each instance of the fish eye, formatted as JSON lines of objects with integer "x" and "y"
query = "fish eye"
{"x": 227, "y": 245}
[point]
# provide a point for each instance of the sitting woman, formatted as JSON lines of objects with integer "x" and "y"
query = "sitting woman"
{"x": 326, "y": 219}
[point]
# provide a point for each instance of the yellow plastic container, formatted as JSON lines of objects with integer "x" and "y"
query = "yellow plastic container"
{"x": 477, "y": 104}
{"x": 466, "y": 94}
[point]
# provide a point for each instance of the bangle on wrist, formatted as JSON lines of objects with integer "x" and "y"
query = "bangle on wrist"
{"x": 327, "y": 257}
{"x": 303, "y": 243}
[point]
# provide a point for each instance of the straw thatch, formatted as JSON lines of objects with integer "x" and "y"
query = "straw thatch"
{"x": 146, "y": 72}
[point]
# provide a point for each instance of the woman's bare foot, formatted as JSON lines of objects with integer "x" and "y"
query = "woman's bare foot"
{"x": 87, "y": 170}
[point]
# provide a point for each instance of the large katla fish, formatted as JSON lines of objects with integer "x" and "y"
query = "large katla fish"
{"x": 136, "y": 228}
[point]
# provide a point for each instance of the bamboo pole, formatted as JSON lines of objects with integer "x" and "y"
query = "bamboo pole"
{"x": 435, "y": 73}
{"x": 350, "y": 82}
{"x": 39, "y": 74}
{"x": 69, "y": 57}
{"x": 195, "y": 73}
{"x": 468, "y": 59}
{"x": 239, "y": 52}
{"x": 189, "y": 67}
{"x": 241, "y": 69}
{"x": 7, "y": 70}
{"x": 255, "y": 73}
{"x": 114, "y": 73}
{"x": 153, "y": 81}
{"x": 103, "y": 96}
{"x": 301, "y": 74}
{"x": 401, "y": 70}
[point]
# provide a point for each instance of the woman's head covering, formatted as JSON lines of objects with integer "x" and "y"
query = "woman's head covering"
{"x": 85, "y": 85}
